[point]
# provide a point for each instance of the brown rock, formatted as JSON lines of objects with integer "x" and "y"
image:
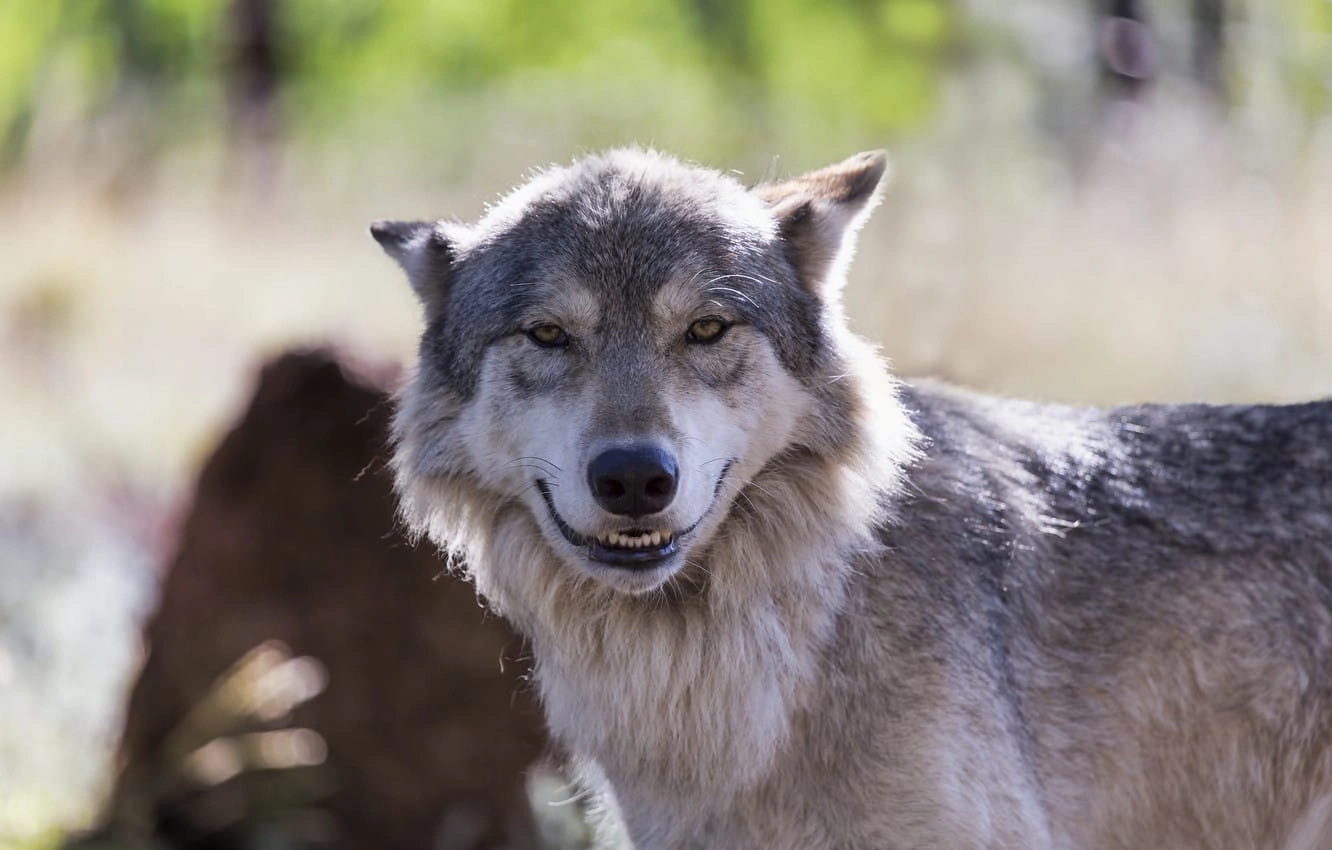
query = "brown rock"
{"x": 425, "y": 725}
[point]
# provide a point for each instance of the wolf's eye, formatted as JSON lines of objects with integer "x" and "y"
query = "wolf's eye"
{"x": 707, "y": 330}
{"x": 548, "y": 336}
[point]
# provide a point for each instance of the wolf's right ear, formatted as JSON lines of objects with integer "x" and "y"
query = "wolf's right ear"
{"x": 819, "y": 213}
{"x": 425, "y": 250}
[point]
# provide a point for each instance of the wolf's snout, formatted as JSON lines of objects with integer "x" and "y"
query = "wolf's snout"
{"x": 633, "y": 481}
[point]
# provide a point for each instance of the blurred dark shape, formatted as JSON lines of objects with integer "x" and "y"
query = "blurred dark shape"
{"x": 253, "y": 60}
{"x": 313, "y": 679}
{"x": 1208, "y": 27}
{"x": 726, "y": 29}
{"x": 253, "y": 78}
{"x": 144, "y": 56}
{"x": 1126, "y": 48}
{"x": 149, "y": 60}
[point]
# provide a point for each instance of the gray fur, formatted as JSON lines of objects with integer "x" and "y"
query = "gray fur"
{"x": 910, "y": 616}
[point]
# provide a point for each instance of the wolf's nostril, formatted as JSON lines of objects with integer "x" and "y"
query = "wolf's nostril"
{"x": 634, "y": 480}
{"x": 661, "y": 486}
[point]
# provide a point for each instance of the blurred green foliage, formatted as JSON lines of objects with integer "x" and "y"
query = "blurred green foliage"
{"x": 876, "y": 60}
{"x": 726, "y": 71}
{"x": 1310, "y": 61}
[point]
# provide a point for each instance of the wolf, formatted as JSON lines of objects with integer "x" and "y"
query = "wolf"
{"x": 779, "y": 599}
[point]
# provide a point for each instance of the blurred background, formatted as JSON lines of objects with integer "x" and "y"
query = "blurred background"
{"x": 1094, "y": 201}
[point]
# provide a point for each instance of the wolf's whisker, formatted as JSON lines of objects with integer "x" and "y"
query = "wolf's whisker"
{"x": 533, "y": 458}
{"x": 727, "y": 290}
{"x": 540, "y": 469}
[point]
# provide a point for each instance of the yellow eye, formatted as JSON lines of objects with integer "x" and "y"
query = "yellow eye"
{"x": 707, "y": 330}
{"x": 548, "y": 336}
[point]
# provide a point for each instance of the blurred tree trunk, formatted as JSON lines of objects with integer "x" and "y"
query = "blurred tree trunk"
{"x": 723, "y": 25}
{"x": 1126, "y": 49}
{"x": 253, "y": 63}
{"x": 725, "y": 28}
{"x": 136, "y": 59}
{"x": 1208, "y": 26}
{"x": 132, "y": 135}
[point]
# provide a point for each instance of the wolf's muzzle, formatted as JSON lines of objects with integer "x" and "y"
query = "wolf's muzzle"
{"x": 633, "y": 481}
{"x": 634, "y": 548}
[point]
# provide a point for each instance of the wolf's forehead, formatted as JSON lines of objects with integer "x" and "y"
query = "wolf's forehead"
{"x": 625, "y": 236}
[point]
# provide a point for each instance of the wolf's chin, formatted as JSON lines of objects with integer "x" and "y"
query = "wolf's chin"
{"x": 644, "y": 576}
{"x": 634, "y": 582}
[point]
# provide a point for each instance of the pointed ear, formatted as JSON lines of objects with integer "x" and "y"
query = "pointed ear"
{"x": 425, "y": 250}
{"x": 819, "y": 213}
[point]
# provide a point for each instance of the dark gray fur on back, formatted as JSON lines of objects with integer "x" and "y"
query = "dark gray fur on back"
{"x": 1064, "y": 513}
{"x": 1202, "y": 478}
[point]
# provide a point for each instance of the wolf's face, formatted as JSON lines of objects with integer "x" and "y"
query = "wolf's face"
{"x": 621, "y": 346}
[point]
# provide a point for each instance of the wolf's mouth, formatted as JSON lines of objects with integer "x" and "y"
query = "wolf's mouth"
{"x": 629, "y": 547}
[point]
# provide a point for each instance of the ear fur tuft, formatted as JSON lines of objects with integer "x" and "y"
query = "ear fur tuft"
{"x": 393, "y": 235}
{"x": 425, "y": 252}
{"x": 819, "y": 213}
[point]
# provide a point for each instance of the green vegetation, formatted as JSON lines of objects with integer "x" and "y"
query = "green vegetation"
{"x": 709, "y": 75}
{"x": 729, "y": 70}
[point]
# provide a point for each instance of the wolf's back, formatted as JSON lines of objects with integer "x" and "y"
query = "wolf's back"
{"x": 1207, "y": 478}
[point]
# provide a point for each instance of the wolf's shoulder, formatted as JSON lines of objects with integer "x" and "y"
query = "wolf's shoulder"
{"x": 1225, "y": 432}
{"x": 1222, "y": 475}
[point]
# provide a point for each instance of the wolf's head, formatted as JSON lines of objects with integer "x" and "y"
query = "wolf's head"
{"x": 618, "y": 351}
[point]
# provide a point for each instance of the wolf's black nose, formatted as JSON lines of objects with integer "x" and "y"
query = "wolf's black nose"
{"x": 633, "y": 481}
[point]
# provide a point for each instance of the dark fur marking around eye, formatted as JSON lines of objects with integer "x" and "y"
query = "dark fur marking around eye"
{"x": 524, "y": 385}
{"x": 724, "y": 378}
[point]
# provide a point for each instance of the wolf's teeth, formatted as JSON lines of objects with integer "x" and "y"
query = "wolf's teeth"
{"x": 634, "y": 541}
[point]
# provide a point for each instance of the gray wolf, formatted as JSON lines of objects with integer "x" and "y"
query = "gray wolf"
{"x": 778, "y": 599}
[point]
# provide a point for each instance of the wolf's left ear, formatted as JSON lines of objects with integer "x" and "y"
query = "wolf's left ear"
{"x": 426, "y": 251}
{"x": 819, "y": 213}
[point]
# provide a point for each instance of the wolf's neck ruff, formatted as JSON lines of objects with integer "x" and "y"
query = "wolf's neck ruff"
{"x": 684, "y": 696}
